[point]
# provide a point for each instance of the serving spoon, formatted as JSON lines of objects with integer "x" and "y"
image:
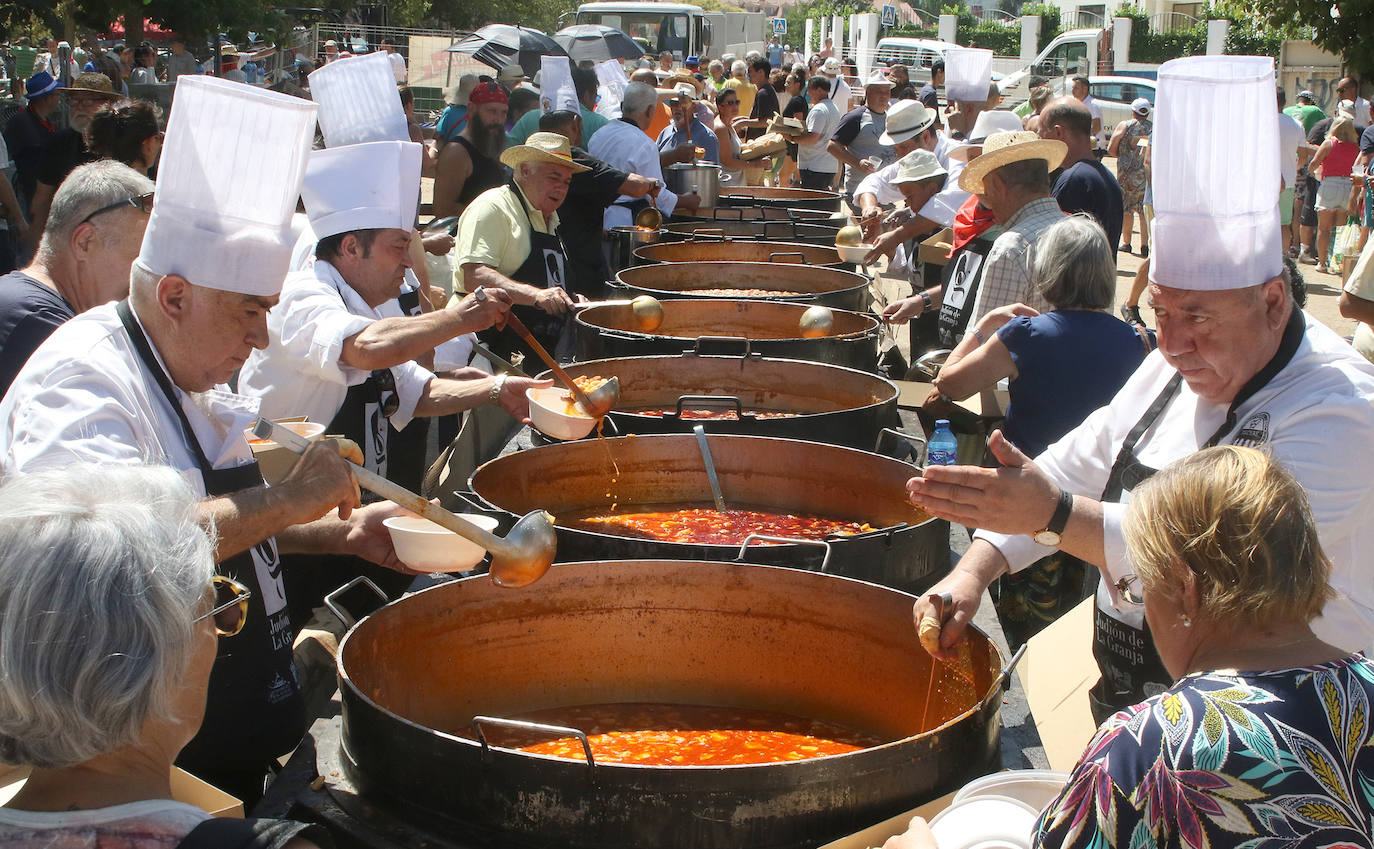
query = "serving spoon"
{"x": 519, "y": 558}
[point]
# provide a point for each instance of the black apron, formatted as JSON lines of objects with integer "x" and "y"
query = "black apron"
{"x": 397, "y": 455}
{"x": 544, "y": 268}
{"x": 1125, "y": 652}
{"x": 253, "y": 710}
{"x": 960, "y": 280}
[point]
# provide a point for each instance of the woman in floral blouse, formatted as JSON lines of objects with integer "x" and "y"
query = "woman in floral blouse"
{"x": 1265, "y": 739}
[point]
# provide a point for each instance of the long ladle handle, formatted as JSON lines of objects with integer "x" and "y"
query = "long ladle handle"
{"x": 700, "y": 431}
{"x": 524, "y": 333}
{"x": 373, "y": 482}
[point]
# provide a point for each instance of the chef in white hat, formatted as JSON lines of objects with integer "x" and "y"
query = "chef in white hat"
{"x": 1238, "y": 363}
{"x": 143, "y": 381}
{"x": 345, "y": 339}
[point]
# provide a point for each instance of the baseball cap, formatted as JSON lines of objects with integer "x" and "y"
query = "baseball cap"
{"x": 1141, "y": 106}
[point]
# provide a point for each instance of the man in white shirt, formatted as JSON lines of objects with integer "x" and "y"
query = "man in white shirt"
{"x": 1238, "y": 363}
{"x": 833, "y": 71}
{"x": 815, "y": 163}
{"x": 1080, "y": 91}
{"x": 1349, "y": 89}
{"x": 1291, "y": 139}
{"x": 142, "y": 381}
{"x": 624, "y": 144}
{"x": 332, "y": 354}
{"x": 398, "y": 62}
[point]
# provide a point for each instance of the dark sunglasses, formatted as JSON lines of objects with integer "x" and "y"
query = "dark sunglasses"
{"x": 231, "y": 606}
{"x": 386, "y": 386}
{"x": 143, "y": 203}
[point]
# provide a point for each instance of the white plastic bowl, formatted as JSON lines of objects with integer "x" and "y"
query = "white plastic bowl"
{"x": 1036, "y": 787}
{"x": 548, "y": 414}
{"x": 427, "y": 547}
{"x": 985, "y": 822}
{"x": 853, "y": 253}
{"x": 274, "y": 461}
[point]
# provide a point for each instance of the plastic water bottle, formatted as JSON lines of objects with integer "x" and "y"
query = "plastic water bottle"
{"x": 943, "y": 448}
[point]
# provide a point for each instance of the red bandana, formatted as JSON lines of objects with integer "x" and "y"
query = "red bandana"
{"x": 970, "y": 222}
{"x": 487, "y": 93}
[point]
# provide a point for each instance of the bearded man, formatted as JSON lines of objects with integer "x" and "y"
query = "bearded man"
{"x": 470, "y": 164}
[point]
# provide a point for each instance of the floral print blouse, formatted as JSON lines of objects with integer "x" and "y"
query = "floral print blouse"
{"x": 1227, "y": 760}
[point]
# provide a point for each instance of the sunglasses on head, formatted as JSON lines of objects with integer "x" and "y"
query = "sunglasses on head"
{"x": 231, "y": 606}
{"x": 143, "y": 203}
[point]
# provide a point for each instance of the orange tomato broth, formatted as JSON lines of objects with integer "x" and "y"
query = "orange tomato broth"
{"x": 706, "y": 525}
{"x": 693, "y": 735}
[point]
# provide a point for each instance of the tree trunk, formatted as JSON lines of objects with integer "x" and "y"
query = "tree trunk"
{"x": 133, "y": 23}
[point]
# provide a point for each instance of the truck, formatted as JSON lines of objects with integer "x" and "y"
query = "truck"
{"x": 680, "y": 28}
{"x": 1078, "y": 51}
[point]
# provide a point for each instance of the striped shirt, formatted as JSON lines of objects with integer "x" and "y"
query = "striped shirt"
{"x": 1007, "y": 277}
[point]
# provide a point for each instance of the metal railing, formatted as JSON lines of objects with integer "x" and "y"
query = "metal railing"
{"x": 1172, "y": 22}
{"x": 1079, "y": 19}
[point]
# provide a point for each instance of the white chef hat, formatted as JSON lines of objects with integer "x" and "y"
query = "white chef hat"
{"x": 359, "y": 101}
{"x": 372, "y": 186}
{"x": 227, "y": 185}
{"x": 1216, "y": 202}
{"x": 968, "y": 73}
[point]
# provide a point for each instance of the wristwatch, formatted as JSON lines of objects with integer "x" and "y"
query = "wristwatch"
{"x": 1050, "y": 535}
{"x": 926, "y": 304}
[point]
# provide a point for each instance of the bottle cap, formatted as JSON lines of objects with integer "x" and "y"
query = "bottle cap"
{"x": 942, "y": 422}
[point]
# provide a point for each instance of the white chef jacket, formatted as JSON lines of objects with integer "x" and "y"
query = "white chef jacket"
{"x": 1316, "y": 417}
{"x": 455, "y": 353}
{"x": 623, "y": 145}
{"x": 301, "y": 372}
{"x": 84, "y": 397}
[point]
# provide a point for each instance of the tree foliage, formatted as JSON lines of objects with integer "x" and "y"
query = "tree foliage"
{"x": 1344, "y": 28}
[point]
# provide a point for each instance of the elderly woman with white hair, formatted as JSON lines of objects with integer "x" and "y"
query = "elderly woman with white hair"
{"x": 1062, "y": 365}
{"x": 1264, "y": 739}
{"x": 110, "y": 613}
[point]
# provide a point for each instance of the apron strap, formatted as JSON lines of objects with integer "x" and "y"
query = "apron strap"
{"x": 1125, "y": 458}
{"x": 1288, "y": 346}
{"x": 145, "y": 353}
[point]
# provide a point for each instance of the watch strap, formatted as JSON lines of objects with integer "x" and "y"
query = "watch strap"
{"x": 1062, "y": 511}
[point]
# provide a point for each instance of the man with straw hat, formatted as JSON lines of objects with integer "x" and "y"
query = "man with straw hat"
{"x": 66, "y": 149}
{"x": 1012, "y": 179}
{"x": 1238, "y": 363}
{"x": 143, "y": 381}
{"x": 508, "y": 240}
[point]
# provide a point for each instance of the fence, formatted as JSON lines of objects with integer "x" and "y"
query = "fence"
{"x": 430, "y": 68}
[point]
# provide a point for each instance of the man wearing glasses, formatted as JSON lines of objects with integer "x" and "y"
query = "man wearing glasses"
{"x": 83, "y": 260}
{"x": 143, "y": 381}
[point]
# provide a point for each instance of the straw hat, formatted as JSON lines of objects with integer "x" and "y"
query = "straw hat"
{"x": 831, "y": 66}
{"x": 542, "y": 147}
{"x": 1005, "y": 148}
{"x": 877, "y": 78}
{"x": 511, "y": 73}
{"x": 94, "y": 83}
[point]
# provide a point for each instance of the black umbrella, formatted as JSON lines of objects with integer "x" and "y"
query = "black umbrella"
{"x": 499, "y": 45}
{"x": 597, "y": 43}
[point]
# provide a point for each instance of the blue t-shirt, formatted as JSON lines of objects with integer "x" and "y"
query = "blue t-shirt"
{"x": 1087, "y": 186}
{"x": 1068, "y": 363}
{"x": 29, "y": 313}
{"x": 451, "y": 122}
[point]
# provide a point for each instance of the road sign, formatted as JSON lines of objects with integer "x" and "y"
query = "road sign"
{"x": 889, "y": 16}
{"x": 779, "y": 26}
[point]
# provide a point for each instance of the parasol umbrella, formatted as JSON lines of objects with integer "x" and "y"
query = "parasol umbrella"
{"x": 499, "y": 45}
{"x": 597, "y": 43}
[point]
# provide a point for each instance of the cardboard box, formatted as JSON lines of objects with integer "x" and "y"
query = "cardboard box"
{"x": 935, "y": 249}
{"x": 185, "y": 788}
{"x": 989, "y": 404}
{"x": 876, "y": 835}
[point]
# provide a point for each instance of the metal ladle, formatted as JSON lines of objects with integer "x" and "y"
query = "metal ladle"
{"x": 711, "y": 477}
{"x": 817, "y": 321}
{"x": 649, "y": 217}
{"x": 520, "y": 558}
{"x": 596, "y": 403}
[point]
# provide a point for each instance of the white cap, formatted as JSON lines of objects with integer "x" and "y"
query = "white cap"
{"x": 830, "y": 66}
{"x": 358, "y": 101}
{"x": 1141, "y": 106}
{"x": 968, "y": 73}
{"x": 1216, "y": 203}
{"x": 877, "y": 78}
{"x": 372, "y": 186}
{"x": 916, "y": 166}
{"x": 227, "y": 185}
{"x": 989, "y": 121}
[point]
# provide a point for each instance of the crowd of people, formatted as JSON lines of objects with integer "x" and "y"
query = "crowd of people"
{"x": 146, "y": 324}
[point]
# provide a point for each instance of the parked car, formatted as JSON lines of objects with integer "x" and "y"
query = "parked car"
{"x": 918, "y": 54}
{"x": 1114, "y": 95}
